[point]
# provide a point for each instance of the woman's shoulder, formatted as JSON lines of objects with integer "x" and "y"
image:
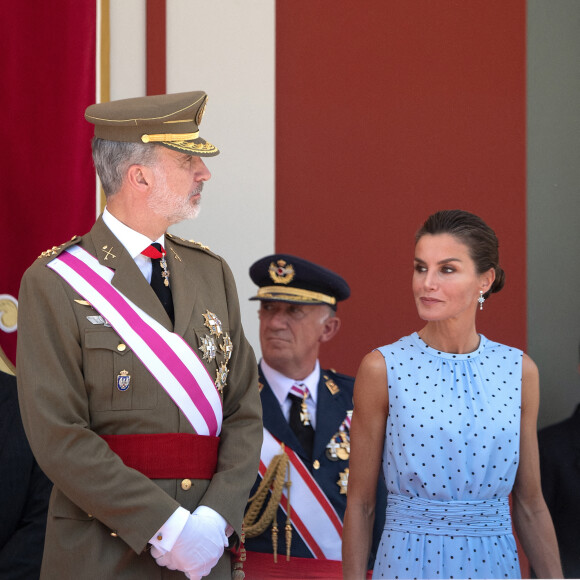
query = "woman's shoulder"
{"x": 398, "y": 346}
{"x": 491, "y": 346}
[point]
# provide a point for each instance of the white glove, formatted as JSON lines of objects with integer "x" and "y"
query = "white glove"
{"x": 198, "y": 547}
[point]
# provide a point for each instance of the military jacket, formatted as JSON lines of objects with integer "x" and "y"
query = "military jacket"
{"x": 102, "y": 513}
{"x": 334, "y": 399}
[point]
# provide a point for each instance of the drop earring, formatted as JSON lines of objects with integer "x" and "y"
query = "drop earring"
{"x": 481, "y": 299}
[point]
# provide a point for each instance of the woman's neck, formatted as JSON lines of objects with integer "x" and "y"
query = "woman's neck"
{"x": 446, "y": 336}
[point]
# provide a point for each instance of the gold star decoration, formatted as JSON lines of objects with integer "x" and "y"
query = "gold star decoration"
{"x": 208, "y": 348}
{"x": 213, "y": 323}
{"x": 227, "y": 347}
{"x": 221, "y": 377}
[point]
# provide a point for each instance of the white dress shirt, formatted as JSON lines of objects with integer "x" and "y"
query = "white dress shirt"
{"x": 133, "y": 241}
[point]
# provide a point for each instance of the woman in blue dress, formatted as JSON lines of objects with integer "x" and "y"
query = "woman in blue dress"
{"x": 451, "y": 417}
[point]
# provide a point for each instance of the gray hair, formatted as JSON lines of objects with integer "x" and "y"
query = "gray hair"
{"x": 113, "y": 158}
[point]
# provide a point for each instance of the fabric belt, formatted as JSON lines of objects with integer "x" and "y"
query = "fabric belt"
{"x": 167, "y": 455}
{"x": 490, "y": 517}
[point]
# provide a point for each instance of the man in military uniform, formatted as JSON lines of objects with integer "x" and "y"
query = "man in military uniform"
{"x": 307, "y": 413}
{"x": 137, "y": 386}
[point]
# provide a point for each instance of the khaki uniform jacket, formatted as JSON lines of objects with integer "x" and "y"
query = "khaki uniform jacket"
{"x": 101, "y": 512}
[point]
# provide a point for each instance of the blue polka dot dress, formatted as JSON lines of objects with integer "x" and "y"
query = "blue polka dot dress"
{"x": 450, "y": 459}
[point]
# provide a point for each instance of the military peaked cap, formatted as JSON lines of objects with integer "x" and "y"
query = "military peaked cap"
{"x": 287, "y": 278}
{"x": 169, "y": 120}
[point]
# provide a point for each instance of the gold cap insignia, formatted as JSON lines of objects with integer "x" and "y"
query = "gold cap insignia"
{"x": 281, "y": 272}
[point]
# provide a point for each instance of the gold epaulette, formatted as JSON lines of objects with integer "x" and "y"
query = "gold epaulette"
{"x": 57, "y": 249}
{"x": 198, "y": 244}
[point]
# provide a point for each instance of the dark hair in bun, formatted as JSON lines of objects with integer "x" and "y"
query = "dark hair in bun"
{"x": 475, "y": 234}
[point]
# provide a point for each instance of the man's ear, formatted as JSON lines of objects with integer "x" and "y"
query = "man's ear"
{"x": 139, "y": 177}
{"x": 330, "y": 328}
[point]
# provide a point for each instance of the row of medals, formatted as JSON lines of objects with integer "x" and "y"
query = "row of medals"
{"x": 339, "y": 445}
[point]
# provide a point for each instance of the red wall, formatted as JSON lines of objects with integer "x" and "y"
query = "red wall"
{"x": 386, "y": 112}
{"x": 47, "y": 186}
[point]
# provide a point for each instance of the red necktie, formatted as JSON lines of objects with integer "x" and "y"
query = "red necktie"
{"x": 160, "y": 276}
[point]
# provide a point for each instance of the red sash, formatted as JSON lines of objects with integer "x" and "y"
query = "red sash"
{"x": 167, "y": 455}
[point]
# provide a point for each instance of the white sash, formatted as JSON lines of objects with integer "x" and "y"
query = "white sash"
{"x": 166, "y": 355}
{"x": 313, "y": 516}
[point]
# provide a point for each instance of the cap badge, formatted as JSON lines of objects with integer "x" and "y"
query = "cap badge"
{"x": 208, "y": 348}
{"x": 281, "y": 273}
{"x": 123, "y": 380}
{"x": 213, "y": 323}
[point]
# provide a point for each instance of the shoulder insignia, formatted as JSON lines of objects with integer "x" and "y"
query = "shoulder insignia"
{"x": 188, "y": 243}
{"x": 337, "y": 376}
{"x": 55, "y": 250}
{"x": 199, "y": 244}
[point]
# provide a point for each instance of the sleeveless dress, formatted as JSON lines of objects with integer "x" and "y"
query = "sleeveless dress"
{"x": 450, "y": 458}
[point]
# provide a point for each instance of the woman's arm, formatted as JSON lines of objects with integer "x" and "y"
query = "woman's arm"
{"x": 367, "y": 437}
{"x": 532, "y": 519}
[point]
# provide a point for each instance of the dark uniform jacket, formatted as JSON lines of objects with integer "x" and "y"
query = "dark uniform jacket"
{"x": 24, "y": 493}
{"x": 330, "y": 413}
{"x": 560, "y": 468}
{"x": 102, "y": 513}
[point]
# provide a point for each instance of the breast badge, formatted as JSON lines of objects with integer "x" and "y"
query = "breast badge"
{"x": 97, "y": 319}
{"x": 221, "y": 377}
{"x": 339, "y": 445}
{"x": 213, "y": 323}
{"x": 343, "y": 481}
{"x": 123, "y": 380}
{"x": 227, "y": 347}
{"x": 208, "y": 348}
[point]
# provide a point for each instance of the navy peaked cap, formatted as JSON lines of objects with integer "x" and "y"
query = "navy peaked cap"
{"x": 287, "y": 278}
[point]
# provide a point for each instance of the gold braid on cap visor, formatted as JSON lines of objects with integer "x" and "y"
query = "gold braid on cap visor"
{"x": 169, "y": 137}
{"x": 277, "y": 292}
